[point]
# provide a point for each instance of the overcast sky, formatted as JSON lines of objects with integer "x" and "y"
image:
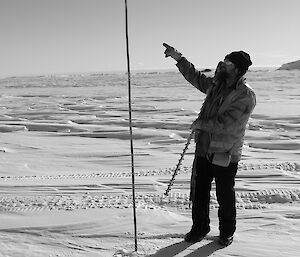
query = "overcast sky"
{"x": 62, "y": 36}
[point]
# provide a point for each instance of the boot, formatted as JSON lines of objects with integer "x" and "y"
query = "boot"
{"x": 195, "y": 235}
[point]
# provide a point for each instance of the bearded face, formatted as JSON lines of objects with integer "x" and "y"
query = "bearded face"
{"x": 225, "y": 70}
{"x": 221, "y": 73}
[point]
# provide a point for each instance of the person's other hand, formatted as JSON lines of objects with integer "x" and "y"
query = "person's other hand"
{"x": 171, "y": 51}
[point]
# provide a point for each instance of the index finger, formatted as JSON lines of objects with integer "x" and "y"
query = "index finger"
{"x": 166, "y": 45}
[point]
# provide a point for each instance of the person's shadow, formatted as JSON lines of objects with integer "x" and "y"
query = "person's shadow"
{"x": 174, "y": 249}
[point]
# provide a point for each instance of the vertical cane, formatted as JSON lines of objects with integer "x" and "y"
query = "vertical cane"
{"x": 130, "y": 130}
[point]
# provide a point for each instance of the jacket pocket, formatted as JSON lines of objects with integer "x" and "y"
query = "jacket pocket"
{"x": 221, "y": 159}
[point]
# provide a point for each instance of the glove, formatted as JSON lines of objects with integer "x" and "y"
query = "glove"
{"x": 171, "y": 51}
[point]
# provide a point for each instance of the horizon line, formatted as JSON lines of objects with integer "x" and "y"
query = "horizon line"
{"x": 114, "y": 71}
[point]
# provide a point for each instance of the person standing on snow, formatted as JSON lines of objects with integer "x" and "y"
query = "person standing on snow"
{"x": 219, "y": 134}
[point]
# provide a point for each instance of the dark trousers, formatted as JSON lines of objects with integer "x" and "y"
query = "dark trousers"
{"x": 224, "y": 180}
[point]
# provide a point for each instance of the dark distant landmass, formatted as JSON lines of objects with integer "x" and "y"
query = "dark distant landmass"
{"x": 206, "y": 70}
{"x": 290, "y": 66}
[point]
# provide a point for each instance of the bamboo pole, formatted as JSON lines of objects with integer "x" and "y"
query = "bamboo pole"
{"x": 130, "y": 128}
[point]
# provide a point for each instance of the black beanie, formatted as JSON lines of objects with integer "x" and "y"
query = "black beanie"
{"x": 240, "y": 59}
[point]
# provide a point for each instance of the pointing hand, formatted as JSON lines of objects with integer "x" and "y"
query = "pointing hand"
{"x": 171, "y": 51}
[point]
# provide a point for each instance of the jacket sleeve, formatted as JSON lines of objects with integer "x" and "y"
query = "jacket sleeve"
{"x": 234, "y": 119}
{"x": 195, "y": 77}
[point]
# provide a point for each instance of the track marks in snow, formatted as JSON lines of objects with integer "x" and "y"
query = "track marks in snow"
{"x": 23, "y": 193}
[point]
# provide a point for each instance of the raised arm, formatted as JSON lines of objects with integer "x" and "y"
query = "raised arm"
{"x": 187, "y": 69}
{"x": 195, "y": 77}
